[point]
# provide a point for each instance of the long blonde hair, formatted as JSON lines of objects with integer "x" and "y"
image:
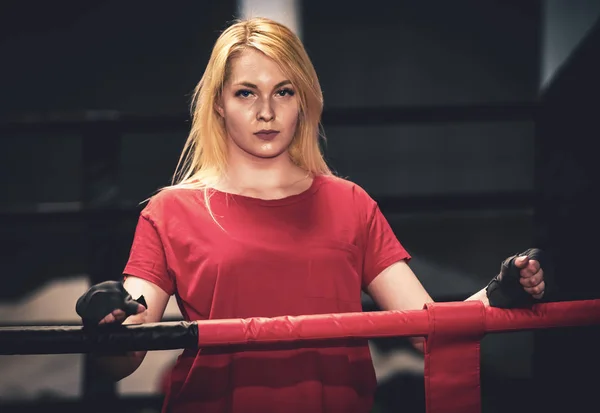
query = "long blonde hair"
{"x": 204, "y": 156}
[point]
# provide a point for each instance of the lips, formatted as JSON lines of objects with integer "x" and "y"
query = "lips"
{"x": 267, "y": 135}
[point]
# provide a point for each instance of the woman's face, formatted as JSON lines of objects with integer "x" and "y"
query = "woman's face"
{"x": 259, "y": 106}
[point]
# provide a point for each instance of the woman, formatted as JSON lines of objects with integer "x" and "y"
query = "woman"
{"x": 256, "y": 225}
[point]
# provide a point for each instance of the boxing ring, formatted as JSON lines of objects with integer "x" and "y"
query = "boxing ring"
{"x": 452, "y": 331}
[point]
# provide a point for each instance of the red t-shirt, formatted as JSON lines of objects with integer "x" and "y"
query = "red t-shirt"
{"x": 310, "y": 253}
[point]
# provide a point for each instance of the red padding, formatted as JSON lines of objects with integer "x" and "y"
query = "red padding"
{"x": 560, "y": 314}
{"x": 452, "y": 357}
{"x": 386, "y": 324}
{"x": 312, "y": 327}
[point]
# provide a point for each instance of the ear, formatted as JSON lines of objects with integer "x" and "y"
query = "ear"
{"x": 219, "y": 108}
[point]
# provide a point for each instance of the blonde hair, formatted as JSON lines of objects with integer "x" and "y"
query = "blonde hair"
{"x": 204, "y": 157}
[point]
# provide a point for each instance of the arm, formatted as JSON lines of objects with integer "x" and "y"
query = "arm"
{"x": 398, "y": 288}
{"x": 481, "y": 296}
{"x": 395, "y": 286}
{"x": 121, "y": 366}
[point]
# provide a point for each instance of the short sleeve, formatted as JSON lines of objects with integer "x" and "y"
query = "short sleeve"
{"x": 147, "y": 259}
{"x": 382, "y": 247}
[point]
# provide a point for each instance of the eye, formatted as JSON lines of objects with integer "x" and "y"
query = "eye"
{"x": 285, "y": 92}
{"x": 243, "y": 93}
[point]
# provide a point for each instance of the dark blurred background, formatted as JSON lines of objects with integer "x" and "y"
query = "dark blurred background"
{"x": 472, "y": 123}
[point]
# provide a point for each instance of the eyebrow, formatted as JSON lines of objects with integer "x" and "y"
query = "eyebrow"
{"x": 253, "y": 86}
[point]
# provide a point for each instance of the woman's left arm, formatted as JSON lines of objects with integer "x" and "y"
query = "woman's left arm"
{"x": 398, "y": 288}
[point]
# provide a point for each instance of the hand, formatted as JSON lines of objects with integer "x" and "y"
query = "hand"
{"x": 531, "y": 276}
{"x": 522, "y": 281}
{"x": 108, "y": 302}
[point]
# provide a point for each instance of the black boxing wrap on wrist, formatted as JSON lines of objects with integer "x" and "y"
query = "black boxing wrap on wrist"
{"x": 505, "y": 289}
{"x": 102, "y": 299}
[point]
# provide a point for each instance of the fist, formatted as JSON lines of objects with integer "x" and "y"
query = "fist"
{"x": 531, "y": 276}
{"x": 108, "y": 302}
{"x": 522, "y": 281}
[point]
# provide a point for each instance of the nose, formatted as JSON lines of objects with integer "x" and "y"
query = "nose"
{"x": 265, "y": 111}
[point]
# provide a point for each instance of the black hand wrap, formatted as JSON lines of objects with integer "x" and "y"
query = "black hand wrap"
{"x": 505, "y": 289}
{"x": 102, "y": 299}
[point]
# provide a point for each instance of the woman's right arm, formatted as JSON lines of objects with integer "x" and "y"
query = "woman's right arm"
{"x": 121, "y": 366}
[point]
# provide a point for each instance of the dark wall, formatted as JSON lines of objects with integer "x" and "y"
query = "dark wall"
{"x": 141, "y": 57}
{"x": 65, "y": 66}
{"x": 427, "y": 52}
{"x": 566, "y": 360}
{"x": 98, "y": 61}
{"x": 565, "y": 24}
{"x": 407, "y": 54}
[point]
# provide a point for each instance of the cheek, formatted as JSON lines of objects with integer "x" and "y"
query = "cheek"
{"x": 237, "y": 117}
{"x": 290, "y": 116}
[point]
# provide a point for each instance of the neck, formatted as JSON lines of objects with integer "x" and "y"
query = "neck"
{"x": 251, "y": 172}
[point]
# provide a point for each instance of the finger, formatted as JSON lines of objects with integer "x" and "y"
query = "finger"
{"x": 521, "y": 262}
{"x": 110, "y": 318}
{"x": 140, "y": 309}
{"x": 114, "y": 316}
{"x": 532, "y": 281}
{"x": 533, "y": 267}
{"x": 119, "y": 315}
{"x": 537, "y": 291}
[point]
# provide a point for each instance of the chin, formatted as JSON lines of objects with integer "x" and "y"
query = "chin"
{"x": 268, "y": 154}
{"x": 268, "y": 151}
{"x": 262, "y": 150}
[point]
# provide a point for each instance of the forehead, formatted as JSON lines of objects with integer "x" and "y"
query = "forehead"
{"x": 253, "y": 66}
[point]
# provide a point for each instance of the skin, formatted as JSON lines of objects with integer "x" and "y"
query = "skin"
{"x": 259, "y": 96}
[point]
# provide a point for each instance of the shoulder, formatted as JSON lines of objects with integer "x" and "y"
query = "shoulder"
{"x": 345, "y": 189}
{"x": 168, "y": 202}
{"x": 348, "y": 195}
